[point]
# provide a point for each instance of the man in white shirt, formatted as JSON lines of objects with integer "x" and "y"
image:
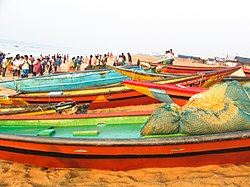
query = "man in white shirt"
{"x": 169, "y": 58}
{"x": 17, "y": 66}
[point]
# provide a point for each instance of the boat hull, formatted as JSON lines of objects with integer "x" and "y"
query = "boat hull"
{"x": 187, "y": 69}
{"x": 64, "y": 81}
{"x": 111, "y": 99}
{"x": 124, "y": 155}
{"x": 168, "y": 93}
{"x": 119, "y": 147}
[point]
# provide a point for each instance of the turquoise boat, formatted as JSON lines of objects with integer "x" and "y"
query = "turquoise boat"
{"x": 61, "y": 82}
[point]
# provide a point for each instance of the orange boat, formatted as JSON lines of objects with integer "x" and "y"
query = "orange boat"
{"x": 112, "y": 141}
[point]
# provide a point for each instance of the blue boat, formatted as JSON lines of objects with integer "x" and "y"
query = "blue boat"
{"x": 67, "y": 81}
{"x": 242, "y": 60}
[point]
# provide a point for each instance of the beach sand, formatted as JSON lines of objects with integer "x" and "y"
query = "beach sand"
{"x": 15, "y": 174}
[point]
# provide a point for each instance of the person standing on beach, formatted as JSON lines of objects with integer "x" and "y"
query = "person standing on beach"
{"x": 1, "y": 60}
{"x": 75, "y": 62}
{"x": 124, "y": 57}
{"x": 79, "y": 63}
{"x": 129, "y": 59}
{"x": 17, "y": 64}
{"x": 37, "y": 68}
{"x": 71, "y": 65}
{"x": 53, "y": 64}
{"x": 58, "y": 64}
{"x": 5, "y": 64}
{"x": 95, "y": 60}
{"x": 99, "y": 60}
{"x": 105, "y": 59}
{"x": 138, "y": 62}
{"x": 31, "y": 59}
{"x": 25, "y": 67}
{"x": 89, "y": 62}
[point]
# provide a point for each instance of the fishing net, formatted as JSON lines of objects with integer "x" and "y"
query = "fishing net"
{"x": 246, "y": 86}
{"x": 223, "y": 108}
{"x": 164, "y": 120}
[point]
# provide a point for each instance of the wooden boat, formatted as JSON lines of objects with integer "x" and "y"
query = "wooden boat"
{"x": 187, "y": 69}
{"x": 112, "y": 141}
{"x": 64, "y": 81}
{"x": 117, "y": 96}
{"x": 146, "y": 76}
{"x": 45, "y": 109}
{"x": 213, "y": 76}
{"x": 191, "y": 70}
{"x": 177, "y": 69}
{"x": 109, "y": 97}
{"x": 167, "y": 93}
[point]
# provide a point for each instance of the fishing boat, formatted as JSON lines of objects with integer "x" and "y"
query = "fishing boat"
{"x": 178, "y": 69}
{"x": 112, "y": 141}
{"x": 193, "y": 79}
{"x": 119, "y": 95}
{"x": 187, "y": 69}
{"x": 193, "y": 69}
{"x": 62, "y": 82}
{"x": 45, "y": 109}
{"x": 97, "y": 98}
{"x": 167, "y": 93}
{"x": 146, "y": 76}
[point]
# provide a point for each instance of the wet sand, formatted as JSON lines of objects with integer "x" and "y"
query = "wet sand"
{"x": 15, "y": 174}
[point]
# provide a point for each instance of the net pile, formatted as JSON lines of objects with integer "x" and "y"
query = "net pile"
{"x": 223, "y": 108}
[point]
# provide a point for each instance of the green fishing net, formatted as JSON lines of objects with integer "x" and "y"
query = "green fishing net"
{"x": 223, "y": 108}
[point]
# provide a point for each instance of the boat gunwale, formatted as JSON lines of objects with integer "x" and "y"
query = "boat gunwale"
{"x": 78, "y": 116}
{"x": 104, "y": 142}
{"x": 57, "y": 75}
{"x": 194, "y": 67}
{"x": 140, "y": 72}
{"x": 122, "y": 89}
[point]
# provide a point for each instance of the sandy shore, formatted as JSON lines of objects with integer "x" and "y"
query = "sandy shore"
{"x": 14, "y": 174}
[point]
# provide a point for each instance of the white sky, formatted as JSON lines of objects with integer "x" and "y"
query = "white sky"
{"x": 191, "y": 27}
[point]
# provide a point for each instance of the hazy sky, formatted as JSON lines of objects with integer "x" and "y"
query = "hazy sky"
{"x": 192, "y": 27}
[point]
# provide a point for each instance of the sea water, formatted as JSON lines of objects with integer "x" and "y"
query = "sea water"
{"x": 13, "y": 47}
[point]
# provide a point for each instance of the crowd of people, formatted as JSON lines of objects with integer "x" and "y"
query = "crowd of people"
{"x": 23, "y": 66}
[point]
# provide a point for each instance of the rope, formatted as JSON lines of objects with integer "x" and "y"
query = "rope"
{"x": 41, "y": 110}
{"x": 202, "y": 76}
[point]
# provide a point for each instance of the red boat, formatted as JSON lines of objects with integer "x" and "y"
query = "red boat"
{"x": 187, "y": 69}
{"x": 112, "y": 141}
{"x": 167, "y": 93}
{"x": 177, "y": 69}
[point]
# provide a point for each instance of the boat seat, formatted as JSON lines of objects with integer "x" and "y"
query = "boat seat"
{"x": 85, "y": 133}
{"x": 46, "y": 132}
